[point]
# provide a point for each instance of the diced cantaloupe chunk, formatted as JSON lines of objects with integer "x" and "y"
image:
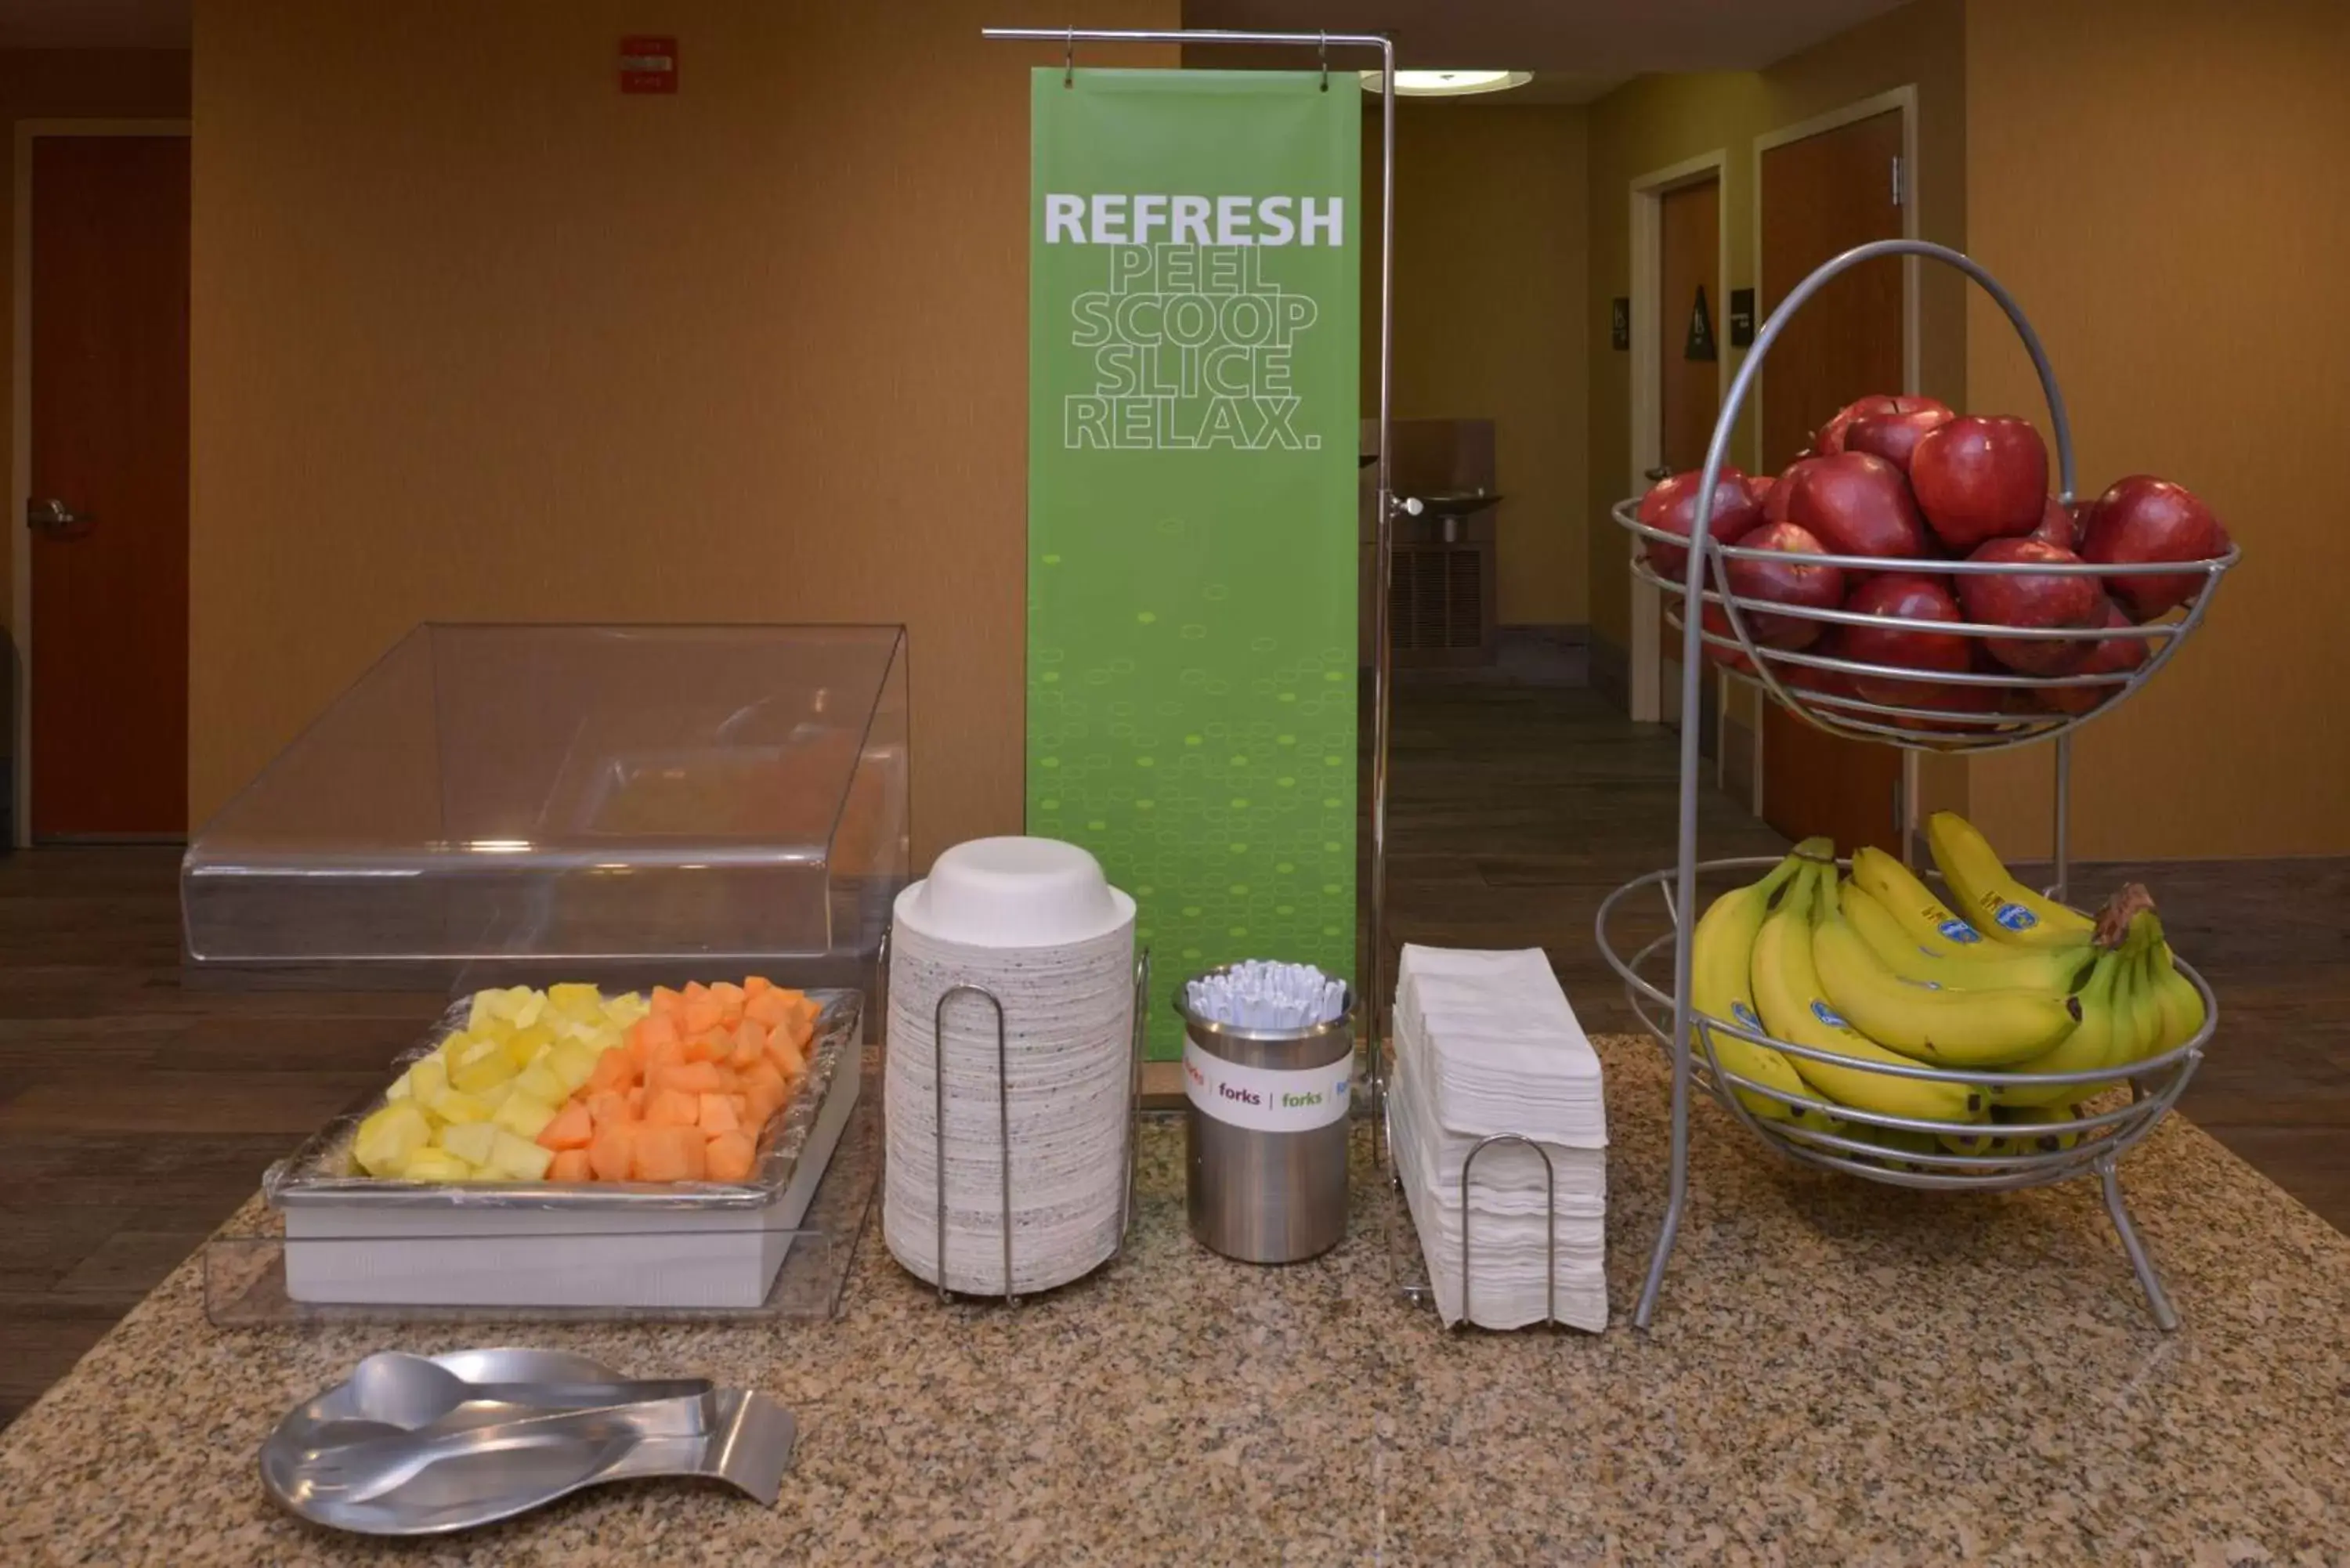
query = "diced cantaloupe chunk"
{"x": 665, "y": 1002}
{"x": 717, "y": 1115}
{"x": 771, "y": 1007}
{"x": 752, "y": 984}
{"x": 672, "y": 1108}
{"x": 646, "y": 1033}
{"x": 703, "y": 1015}
{"x": 612, "y": 1155}
{"x": 571, "y": 1164}
{"x": 572, "y": 1127}
{"x": 613, "y": 1070}
{"x": 750, "y": 1044}
{"x": 607, "y": 1106}
{"x": 728, "y": 1158}
{"x": 525, "y": 1116}
{"x": 692, "y": 1078}
{"x": 670, "y": 1154}
{"x": 710, "y": 1045}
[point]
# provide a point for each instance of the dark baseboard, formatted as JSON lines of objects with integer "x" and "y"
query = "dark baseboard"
{"x": 1543, "y": 654}
{"x": 1611, "y": 671}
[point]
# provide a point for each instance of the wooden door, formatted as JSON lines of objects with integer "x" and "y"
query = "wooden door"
{"x": 1821, "y": 196}
{"x": 1689, "y": 254}
{"x": 107, "y": 506}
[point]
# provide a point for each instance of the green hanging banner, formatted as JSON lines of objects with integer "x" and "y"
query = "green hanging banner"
{"x": 1196, "y": 248}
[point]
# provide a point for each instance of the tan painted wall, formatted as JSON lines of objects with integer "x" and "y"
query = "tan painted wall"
{"x": 476, "y": 337}
{"x": 69, "y": 84}
{"x": 2181, "y": 259}
{"x": 1489, "y": 320}
{"x": 1658, "y": 121}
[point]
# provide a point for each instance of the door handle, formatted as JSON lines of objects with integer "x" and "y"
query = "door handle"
{"x": 1656, "y": 475}
{"x": 54, "y": 516}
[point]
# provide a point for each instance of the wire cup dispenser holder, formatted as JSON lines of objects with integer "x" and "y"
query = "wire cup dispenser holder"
{"x": 1816, "y": 688}
{"x": 1138, "y": 1036}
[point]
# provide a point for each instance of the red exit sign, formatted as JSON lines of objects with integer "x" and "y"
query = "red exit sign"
{"x": 648, "y": 65}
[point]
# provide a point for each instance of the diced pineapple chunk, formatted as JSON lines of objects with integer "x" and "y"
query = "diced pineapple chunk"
{"x": 472, "y": 1142}
{"x": 582, "y": 1002}
{"x": 399, "y": 1090}
{"x": 524, "y": 1114}
{"x": 456, "y": 1106}
{"x": 627, "y": 1009}
{"x": 573, "y": 1064}
{"x": 484, "y": 1009}
{"x": 438, "y": 1165}
{"x": 495, "y": 1094}
{"x": 523, "y": 1046}
{"x": 520, "y": 1158}
{"x": 525, "y": 1005}
{"x": 541, "y": 1080}
{"x": 387, "y": 1142}
{"x": 485, "y": 1065}
{"x": 427, "y": 1080}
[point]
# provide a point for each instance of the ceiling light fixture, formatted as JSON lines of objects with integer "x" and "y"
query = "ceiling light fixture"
{"x": 1449, "y": 84}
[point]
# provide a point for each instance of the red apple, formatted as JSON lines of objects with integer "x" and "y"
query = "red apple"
{"x": 2033, "y": 599}
{"x": 1902, "y": 595}
{"x": 1894, "y": 437}
{"x": 1812, "y": 584}
{"x": 1759, "y": 489}
{"x": 1671, "y": 505}
{"x": 1857, "y": 504}
{"x": 2113, "y": 656}
{"x": 1834, "y": 436}
{"x": 2146, "y": 519}
{"x": 2059, "y": 524}
{"x": 1981, "y": 478}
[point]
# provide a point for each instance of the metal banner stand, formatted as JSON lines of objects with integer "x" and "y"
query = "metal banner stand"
{"x": 1389, "y": 506}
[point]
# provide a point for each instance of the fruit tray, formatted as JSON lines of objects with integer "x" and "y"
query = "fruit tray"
{"x": 354, "y": 1239}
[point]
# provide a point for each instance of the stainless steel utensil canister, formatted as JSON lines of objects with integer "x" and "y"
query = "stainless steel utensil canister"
{"x": 1265, "y": 1135}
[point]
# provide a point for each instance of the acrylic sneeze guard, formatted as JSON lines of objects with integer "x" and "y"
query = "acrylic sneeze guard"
{"x": 496, "y": 805}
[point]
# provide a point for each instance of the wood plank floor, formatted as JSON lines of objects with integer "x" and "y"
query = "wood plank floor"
{"x": 136, "y": 1113}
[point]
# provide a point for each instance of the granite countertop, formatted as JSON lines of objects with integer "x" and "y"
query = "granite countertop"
{"x": 1839, "y": 1371}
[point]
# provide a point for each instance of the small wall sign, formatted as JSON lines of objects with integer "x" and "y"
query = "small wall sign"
{"x": 1619, "y": 322}
{"x": 1742, "y": 318}
{"x": 1700, "y": 344}
{"x": 648, "y": 65}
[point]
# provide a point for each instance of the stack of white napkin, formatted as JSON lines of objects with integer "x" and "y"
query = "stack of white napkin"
{"x": 1486, "y": 1045}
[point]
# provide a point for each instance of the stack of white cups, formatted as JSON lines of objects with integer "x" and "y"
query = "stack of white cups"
{"x": 1487, "y": 1046}
{"x": 1033, "y": 923}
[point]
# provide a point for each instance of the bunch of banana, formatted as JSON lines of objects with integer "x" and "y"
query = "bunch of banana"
{"x": 1795, "y": 1008}
{"x": 1996, "y": 904}
{"x": 1719, "y": 962}
{"x": 1943, "y": 1027}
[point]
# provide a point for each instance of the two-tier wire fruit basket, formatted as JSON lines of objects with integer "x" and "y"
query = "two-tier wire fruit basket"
{"x": 1963, "y": 710}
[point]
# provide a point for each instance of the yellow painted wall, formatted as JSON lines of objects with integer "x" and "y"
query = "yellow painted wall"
{"x": 1490, "y": 320}
{"x": 70, "y": 83}
{"x": 476, "y": 337}
{"x": 2165, "y": 199}
{"x": 1656, "y": 122}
